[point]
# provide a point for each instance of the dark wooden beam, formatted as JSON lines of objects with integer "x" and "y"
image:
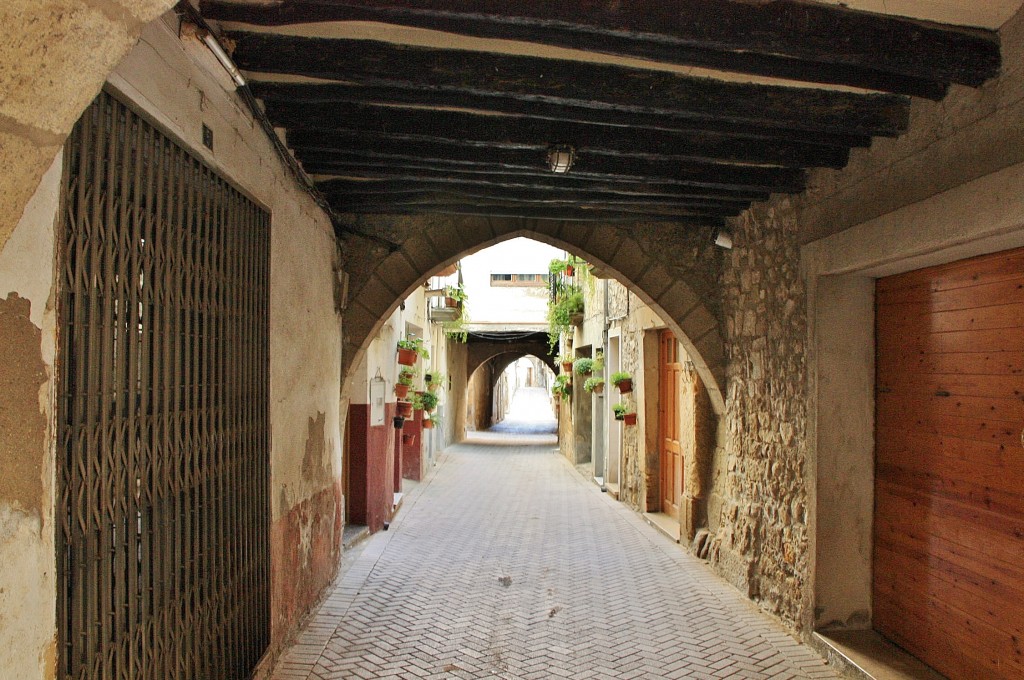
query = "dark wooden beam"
{"x": 355, "y": 165}
{"x": 567, "y": 214}
{"x": 685, "y": 206}
{"x": 398, "y": 181}
{"x": 333, "y": 126}
{"x": 341, "y": 93}
{"x": 787, "y": 180}
{"x": 442, "y": 202}
{"x": 583, "y": 84}
{"x": 802, "y": 41}
{"x": 355, "y": 193}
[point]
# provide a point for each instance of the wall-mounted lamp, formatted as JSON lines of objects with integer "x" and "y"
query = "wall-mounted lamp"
{"x": 561, "y": 157}
{"x": 223, "y": 58}
{"x": 723, "y": 239}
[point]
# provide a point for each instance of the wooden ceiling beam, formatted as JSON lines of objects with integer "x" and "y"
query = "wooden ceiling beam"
{"x": 785, "y": 180}
{"x": 339, "y": 200}
{"x": 567, "y": 214}
{"x": 330, "y": 126}
{"x": 583, "y": 84}
{"x": 399, "y": 181}
{"x": 438, "y": 169}
{"x": 442, "y": 202}
{"x": 347, "y": 93}
{"x": 803, "y": 41}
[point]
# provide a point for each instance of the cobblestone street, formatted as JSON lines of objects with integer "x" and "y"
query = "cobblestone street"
{"x": 507, "y": 563}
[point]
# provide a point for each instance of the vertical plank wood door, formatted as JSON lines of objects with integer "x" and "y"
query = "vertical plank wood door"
{"x": 949, "y": 465}
{"x": 670, "y": 370}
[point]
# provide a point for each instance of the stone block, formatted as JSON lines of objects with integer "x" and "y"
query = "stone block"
{"x": 24, "y": 162}
{"x": 55, "y": 56}
{"x": 655, "y": 281}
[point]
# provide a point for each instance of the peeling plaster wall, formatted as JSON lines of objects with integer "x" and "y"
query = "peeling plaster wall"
{"x": 28, "y": 340}
{"x": 179, "y": 84}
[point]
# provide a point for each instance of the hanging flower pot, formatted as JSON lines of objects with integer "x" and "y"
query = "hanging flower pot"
{"x": 567, "y": 366}
{"x": 450, "y": 302}
{"x": 398, "y": 422}
{"x": 629, "y": 419}
{"x": 408, "y": 439}
{"x": 625, "y": 386}
{"x": 599, "y": 388}
{"x": 428, "y": 424}
{"x": 407, "y": 357}
{"x": 401, "y": 391}
{"x": 404, "y": 409}
{"x": 569, "y": 270}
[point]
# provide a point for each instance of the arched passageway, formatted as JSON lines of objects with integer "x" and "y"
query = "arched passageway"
{"x": 676, "y": 276}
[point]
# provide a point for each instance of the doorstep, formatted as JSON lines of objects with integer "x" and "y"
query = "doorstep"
{"x": 612, "y": 489}
{"x": 663, "y": 523}
{"x": 353, "y": 534}
{"x": 866, "y": 654}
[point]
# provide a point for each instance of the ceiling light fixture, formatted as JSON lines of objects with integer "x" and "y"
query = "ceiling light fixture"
{"x": 561, "y": 157}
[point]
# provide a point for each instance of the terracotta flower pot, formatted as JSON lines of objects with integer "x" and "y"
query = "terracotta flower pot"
{"x": 567, "y": 366}
{"x": 407, "y": 357}
{"x": 408, "y": 439}
{"x": 450, "y": 302}
{"x": 428, "y": 424}
{"x": 629, "y": 419}
{"x": 625, "y": 386}
{"x": 598, "y": 389}
{"x": 404, "y": 409}
{"x": 570, "y": 270}
{"x": 401, "y": 391}
{"x": 433, "y": 388}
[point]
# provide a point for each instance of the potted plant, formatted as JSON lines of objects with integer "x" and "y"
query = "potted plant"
{"x": 583, "y": 366}
{"x": 428, "y": 423}
{"x": 624, "y": 381}
{"x": 405, "y": 377}
{"x": 408, "y": 439}
{"x": 427, "y": 401}
{"x": 410, "y": 349}
{"x": 404, "y": 409}
{"x": 398, "y": 422}
{"x": 566, "y": 362}
{"x": 454, "y": 296}
{"x": 562, "y": 386}
{"x": 595, "y": 385}
{"x": 623, "y": 413}
{"x": 434, "y": 380}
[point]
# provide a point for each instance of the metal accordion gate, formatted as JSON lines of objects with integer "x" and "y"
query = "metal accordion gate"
{"x": 162, "y": 470}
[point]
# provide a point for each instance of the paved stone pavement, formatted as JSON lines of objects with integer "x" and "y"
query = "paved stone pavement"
{"x": 505, "y": 563}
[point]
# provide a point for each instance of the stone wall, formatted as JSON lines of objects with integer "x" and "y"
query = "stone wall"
{"x": 761, "y": 544}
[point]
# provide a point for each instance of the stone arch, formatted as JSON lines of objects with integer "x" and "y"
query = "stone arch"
{"x": 480, "y": 353}
{"x": 643, "y": 257}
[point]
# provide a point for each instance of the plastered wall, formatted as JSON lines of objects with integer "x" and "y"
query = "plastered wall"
{"x": 179, "y": 85}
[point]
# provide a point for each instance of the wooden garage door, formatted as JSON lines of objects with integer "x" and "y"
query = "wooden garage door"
{"x": 949, "y": 485}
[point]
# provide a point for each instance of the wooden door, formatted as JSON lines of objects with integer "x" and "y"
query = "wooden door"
{"x": 670, "y": 382}
{"x": 949, "y": 465}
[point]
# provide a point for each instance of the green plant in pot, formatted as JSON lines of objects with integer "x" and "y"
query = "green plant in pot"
{"x": 622, "y": 380}
{"x": 427, "y": 400}
{"x": 624, "y": 413}
{"x": 410, "y": 349}
{"x": 583, "y": 366}
{"x": 434, "y": 380}
{"x": 455, "y": 296}
{"x": 566, "y": 362}
{"x": 405, "y": 378}
{"x": 595, "y": 385}
{"x": 563, "y": 313}
{"x": 562, "y": 386}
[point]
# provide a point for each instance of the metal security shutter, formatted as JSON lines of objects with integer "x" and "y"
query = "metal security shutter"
{"x": 162, "y": 507}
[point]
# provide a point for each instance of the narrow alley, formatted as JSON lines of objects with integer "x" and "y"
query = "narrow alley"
{"x": 506, "y": 563}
